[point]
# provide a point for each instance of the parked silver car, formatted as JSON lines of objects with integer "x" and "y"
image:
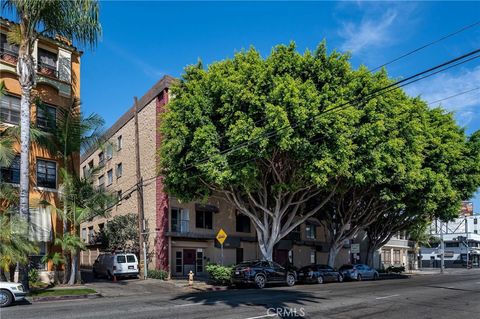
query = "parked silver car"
{"x": 10, "y": 292}
{"x": 358, "y": 272}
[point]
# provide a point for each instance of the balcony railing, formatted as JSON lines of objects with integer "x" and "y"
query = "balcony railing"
{"x": 47, "y": 69}
{"x": 9, "y": 56}
{"x": 180, "y": 226}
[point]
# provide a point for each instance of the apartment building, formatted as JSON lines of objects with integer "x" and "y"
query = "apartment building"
{"x": 181, "y": 235}
{"x": 57, "y": 83}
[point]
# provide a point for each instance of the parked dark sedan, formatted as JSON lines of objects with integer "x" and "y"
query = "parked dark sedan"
{"x": 358, "y": 272}
{"x": 262, "y": 272}
{"x": 319, "y": 274}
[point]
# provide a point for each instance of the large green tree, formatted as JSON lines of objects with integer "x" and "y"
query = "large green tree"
{"x": 76, "y": 20}
{"x": 259, "y": 131}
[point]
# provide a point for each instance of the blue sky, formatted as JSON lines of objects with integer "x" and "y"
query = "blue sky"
{"x": 142, "y": 41}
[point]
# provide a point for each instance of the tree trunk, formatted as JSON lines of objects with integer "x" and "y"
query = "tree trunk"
{"x": 74, "y": 267}
{"x": 26, "y": 74}
{"x": 332, "y": 254}
{"x": 370, "y": 256}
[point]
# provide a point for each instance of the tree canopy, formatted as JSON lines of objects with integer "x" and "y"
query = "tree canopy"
{"x": 291, "y": 136}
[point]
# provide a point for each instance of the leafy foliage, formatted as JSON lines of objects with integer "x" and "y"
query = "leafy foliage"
{"x": 157, "y": 274}
{"x": 221, "y": 275}
{"x": 122, "y": 233}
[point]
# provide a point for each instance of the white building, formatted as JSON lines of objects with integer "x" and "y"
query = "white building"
{"x": 460, "y": 236}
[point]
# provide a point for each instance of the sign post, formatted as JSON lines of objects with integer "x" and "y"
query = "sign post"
{"x": 221, "y": 236}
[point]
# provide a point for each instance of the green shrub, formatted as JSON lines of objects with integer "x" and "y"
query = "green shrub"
{"x": 221, "y": 275}
{"x": 33, "y": 276}
{"x": 157, "y": 274}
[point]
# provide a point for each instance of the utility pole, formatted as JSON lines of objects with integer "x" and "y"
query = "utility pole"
{"x": 141, "y": 218}
{"x": 466, "y": 240}
{"x": 442, "y": 248}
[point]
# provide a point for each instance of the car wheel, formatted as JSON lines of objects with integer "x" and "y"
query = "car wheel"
{"x": 6, "y": 298}
{"x": 319, "y": 279}
{"x": 290, "y": 280}
{"x": 375, "y": 276}
{"x": 359, "y": 277}
{"x": 260, "y": 281}
{"x": 340, "y": 278}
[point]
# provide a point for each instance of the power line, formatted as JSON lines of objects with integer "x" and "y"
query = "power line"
{"x": 428, "y": 44}
{"x": 455, "y": 95}
{"x": 403, "y": 82}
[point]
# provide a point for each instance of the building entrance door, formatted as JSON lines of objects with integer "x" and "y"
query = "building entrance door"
{"x": 280, "y": 256}
{"x": 188, "y": 261}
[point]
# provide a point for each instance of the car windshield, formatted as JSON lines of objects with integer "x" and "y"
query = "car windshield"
{"x": 131, "y": 258}
{"x": 247, "y": 264}
{"x": 121, "y": 259}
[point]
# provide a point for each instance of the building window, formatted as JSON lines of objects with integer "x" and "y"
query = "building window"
{"x": 85, "y": 171}
{"x": 387, "y": 256}
{"x": 101, "y": 182}
{"x": 475, "y": 221}
{"x": 101, "y": 158}
{"x": 90, "y": 165}
{"x": 36, "y": 261}
{"x": 396, "y": 257}
{"x": 91, "y": 235}
{"x": 109, "y": 177}
{"x": 180, "y": 220}
{"x": 46, "y": 174}
{"x": 203, "y": 219}
{"x": 313, "y": 257}
{"x": 475, "y": 231}
{"x": 8, "y": 52}
{"x": 109, "y": 151}
{"x": 199, "y": 261}
{"x": 119, "y": 196}
{"x": 119, "y": 143}
{"x": 310, "y": 231}
{"x": 11, "y": 174}
{"x": 119, "y": 170}
{"x": 242, "y": 223}
{"x": 47, "y": 62}
{"x": 10, "y": 109}
{"x": 46, "y": 117}
{"x": 178, "y": 261}
{"x": 84, "y": 234}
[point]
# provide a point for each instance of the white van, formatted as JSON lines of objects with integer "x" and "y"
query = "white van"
{"x": 118, "y": 264}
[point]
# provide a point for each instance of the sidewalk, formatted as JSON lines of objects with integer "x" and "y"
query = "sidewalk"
{"x": 436, "y": 271}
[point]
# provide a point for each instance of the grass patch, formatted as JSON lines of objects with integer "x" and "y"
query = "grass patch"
{"x": 62, "y": 292}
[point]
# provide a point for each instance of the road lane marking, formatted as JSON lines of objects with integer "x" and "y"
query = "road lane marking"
{"x": 187, "y": 304}
{"x": 264, "y": 316}
{"x": 385, "y": 297}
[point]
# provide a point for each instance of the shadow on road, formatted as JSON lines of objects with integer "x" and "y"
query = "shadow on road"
{"x": 286, "y": 303}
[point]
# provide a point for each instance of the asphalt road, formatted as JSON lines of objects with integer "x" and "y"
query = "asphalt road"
{"x": 423, "y": 296}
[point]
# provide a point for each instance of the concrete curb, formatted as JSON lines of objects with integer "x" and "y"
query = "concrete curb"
{"x": 68, "y": 297}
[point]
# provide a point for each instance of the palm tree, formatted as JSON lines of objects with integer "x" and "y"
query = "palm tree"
{"x": 14, "y": 243}
{"x": 77, "y": 20}
{"x": 82, "y": 201}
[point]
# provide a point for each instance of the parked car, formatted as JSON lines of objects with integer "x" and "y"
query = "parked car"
{"x": 119, "y": 265}
{"x": 10, "y": 292}
{"x": 319, "y": 274}
{"x": 358, "y": 272}
{"x": 262, "y": 272}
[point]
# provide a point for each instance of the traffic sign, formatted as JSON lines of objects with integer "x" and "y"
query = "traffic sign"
{"x": 355, "y": 248}
{"x": 221, "y": 236}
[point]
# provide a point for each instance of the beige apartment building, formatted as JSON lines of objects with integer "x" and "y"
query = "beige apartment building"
{"x": 181, "y": 235}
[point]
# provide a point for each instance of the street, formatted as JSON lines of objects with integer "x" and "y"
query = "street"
{"x": 452, "y": 295}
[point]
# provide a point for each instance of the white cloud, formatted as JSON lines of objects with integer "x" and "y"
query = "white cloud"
{"x": 444, "y": 85}
{"x": 369, "y": 32}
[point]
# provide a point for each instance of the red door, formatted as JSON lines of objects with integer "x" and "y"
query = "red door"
{"x": 188, "y": 260}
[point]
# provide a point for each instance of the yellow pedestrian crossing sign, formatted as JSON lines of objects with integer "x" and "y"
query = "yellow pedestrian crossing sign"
{"x": 221, "y": 236}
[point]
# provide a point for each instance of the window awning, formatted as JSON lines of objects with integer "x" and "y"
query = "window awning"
{"x": 40, "y": 224}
